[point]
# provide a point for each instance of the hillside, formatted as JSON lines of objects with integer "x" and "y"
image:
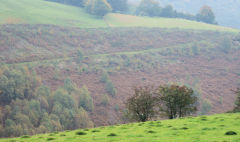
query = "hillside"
{"x": 200, "y": 129}
{"x": 44, "y": 12}
{"x": 152, "y": 56}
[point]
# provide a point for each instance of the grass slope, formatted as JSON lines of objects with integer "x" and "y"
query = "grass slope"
{"x": 43, "y": 12}
{"x": 198, "y": 129}
{"x": 120, "y": 20}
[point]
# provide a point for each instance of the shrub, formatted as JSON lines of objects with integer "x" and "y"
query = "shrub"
{"x": 105, "y": 100}
{"x": 225, "y": 45}
{"x": 26, "y": 136}
{"x": 94, "y": 131}
{"x": 206, "y": 107}
{"x": 80, "y": 133}
{"x": 104, "y": 78}
{"x": 112, "y": 134}
{"x": 110, "y": 88}
{"x": 184, "y": 128}
{"x": 150, "y": 131}
{"x": 230, "y": 133}
{"x": 50, "y": 139}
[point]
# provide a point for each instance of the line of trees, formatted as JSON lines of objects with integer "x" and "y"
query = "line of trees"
{"x": 171, "y": 100}
{"x": 152, "y": 8}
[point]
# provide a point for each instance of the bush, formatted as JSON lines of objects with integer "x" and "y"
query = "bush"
{"x": 26, "y": 136}
{"x": 50, "y": 139}
{"x": 151, "y": 132}
{"x": 230, "y": 133}
{"x": 112, "y": 134}
{"x": 105, "y": 100}
{"x": 206, "y": 107}
{"x": 225, "y": 45}
{"x": 110, "y": 88}
{"x": 104, "y": 77}
{"x": 94, "y": 131}
{"x": 80, "y": 133}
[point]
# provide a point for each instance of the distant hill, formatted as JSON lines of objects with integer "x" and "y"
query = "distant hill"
{"x": 227, "y": 11}
{"x": 221, "y": 127}
{"x": 44, "y": 12}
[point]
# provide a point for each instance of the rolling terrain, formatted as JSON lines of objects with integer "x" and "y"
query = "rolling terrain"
{"x": 46, "y": 38}
{"x": 199, "y": 129}
{"x": 152, "y": 56}
{"x": 44, "y": 12}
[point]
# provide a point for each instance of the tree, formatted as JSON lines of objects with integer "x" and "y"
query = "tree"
{"x": 104, "y": 77}
{"x": 148, "y": 8}
{"x": 206, "y": 15}
{"x": 118, "y": 5}
{"x": 225, "y": 45}
{"x": 177, "y": 101}
{"x": 85, "y": 99}
{"x": 110, "y": 88}
{"x": 105, "y": 100}
{"x": 195, "y": 49}
{"x": 98, "y": 7}
{"x": 206, "y": 107}
{"x": 17, "y": 84}
{"x": 237, "y": 102}
{"x": 167, "y": 11}
{"x": 69, "y": 85}
{"x": 141, "y": 105}
{"x": 79, "y": 56}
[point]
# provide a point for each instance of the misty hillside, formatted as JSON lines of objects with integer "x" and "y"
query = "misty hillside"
{"x": 227, "y": 12}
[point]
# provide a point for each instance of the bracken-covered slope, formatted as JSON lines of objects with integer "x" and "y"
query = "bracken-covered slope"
{"x": 219, "y": 128}
{"x": 132, "y": 57}
{"x": 44, "y": 12}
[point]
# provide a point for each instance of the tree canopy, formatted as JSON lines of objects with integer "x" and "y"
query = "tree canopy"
{"x": 98, "y": 7}
{"x": 206, "y": 15}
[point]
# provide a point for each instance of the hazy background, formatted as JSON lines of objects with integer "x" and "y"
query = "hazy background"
{"x": 227, "y": 12}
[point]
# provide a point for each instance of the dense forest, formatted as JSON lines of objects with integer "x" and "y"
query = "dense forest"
{"x": 29, "y": 107}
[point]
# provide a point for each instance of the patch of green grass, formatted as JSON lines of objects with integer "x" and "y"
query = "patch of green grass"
{"x": 121, "y": 20}
{"x": 44, "y": 12}
{"x": 182, "y": 130}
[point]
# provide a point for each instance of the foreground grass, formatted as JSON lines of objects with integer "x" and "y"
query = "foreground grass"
{"x": 44, "y": 12}
{"x": 198, "y": 129}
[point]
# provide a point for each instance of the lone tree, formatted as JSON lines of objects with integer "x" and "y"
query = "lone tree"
{"x": 206, "y": 15}
{"x": 141, "y": 105}
{"x": 237, "y": 103}
{"x": 148, "y": 8}
{"x": 98, "y": 7}
{"x": 177, "y": 101}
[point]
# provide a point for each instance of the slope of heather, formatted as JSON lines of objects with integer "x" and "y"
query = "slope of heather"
{"x": 131, "y": 56}
{"x": 200, "y": 129}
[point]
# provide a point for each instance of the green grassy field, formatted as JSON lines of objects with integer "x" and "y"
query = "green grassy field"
{"x": 199, "y": 129}
{"x": 43, "y": 12}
